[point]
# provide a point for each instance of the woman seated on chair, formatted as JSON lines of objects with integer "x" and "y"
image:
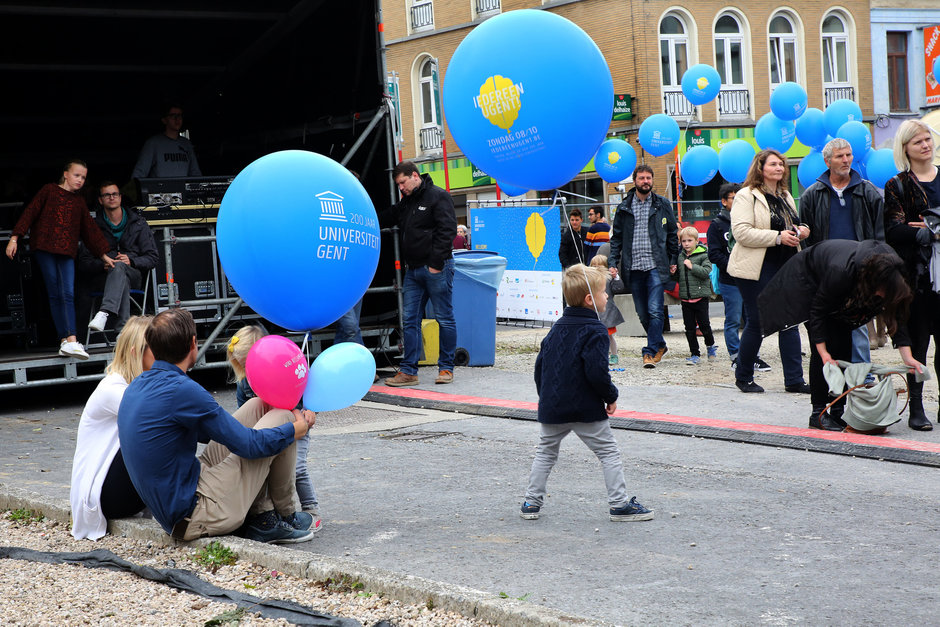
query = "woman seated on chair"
{"x": 101, "y": 488}
{"x": 836, "y": 286}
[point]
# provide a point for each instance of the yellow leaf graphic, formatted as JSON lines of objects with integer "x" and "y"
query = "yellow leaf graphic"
{"x": 500, "y": 101}
{"x": 613, "y": 157}
{"x": 702, "y": 82}
{"x": 535, "y": 234}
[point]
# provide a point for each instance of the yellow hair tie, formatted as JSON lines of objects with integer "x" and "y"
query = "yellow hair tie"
{"x": 231, "y": 343}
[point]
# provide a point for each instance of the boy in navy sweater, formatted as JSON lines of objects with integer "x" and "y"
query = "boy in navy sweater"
{"x": 576, "y": 394}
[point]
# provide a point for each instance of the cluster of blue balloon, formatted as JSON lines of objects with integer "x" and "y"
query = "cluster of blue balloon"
{"x": 299, "y": 240}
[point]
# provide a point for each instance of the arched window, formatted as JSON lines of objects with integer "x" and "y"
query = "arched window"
{"x": 430, "y": 127}
{"x": 783, "y": 50}
{"x": 729, "y": 55}
{"x": 674, "y": 61}
{"x": 835, "y": 50}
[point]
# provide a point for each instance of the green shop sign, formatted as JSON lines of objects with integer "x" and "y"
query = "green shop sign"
{"x": 623, "y": 107}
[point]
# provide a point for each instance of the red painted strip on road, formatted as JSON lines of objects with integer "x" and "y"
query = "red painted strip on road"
{"x": 853, "y": 438}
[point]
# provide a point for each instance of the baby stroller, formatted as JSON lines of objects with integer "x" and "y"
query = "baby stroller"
{"x": 869, "y": 408}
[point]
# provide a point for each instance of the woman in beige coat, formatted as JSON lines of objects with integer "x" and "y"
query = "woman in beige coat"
{"x": 767, "y": 233}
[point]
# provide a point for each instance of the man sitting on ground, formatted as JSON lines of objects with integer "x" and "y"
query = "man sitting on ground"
{"x": 247, "y": 470}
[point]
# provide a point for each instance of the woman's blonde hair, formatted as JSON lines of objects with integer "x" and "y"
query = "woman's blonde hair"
{"x": 908, "y": 130}
{"x": 239, "y": 346}
{"x": 755, "y": 175}
{"x": 129, "y": 353}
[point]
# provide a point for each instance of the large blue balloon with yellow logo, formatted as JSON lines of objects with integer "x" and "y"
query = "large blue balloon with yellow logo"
{"x": 528, "y": 98}
{"x": 298, "y": 239}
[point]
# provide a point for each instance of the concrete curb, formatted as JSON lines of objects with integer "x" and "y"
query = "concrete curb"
{"x": 406, "y": 588}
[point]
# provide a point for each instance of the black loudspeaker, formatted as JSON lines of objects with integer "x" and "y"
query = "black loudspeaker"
{"x": 196, "y": 270}
{"x": 20, "y": 309}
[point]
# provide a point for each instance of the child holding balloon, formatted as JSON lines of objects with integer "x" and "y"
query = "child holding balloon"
{"x": 238, "y": 348}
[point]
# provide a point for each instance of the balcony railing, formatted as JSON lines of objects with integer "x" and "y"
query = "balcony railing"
{"x": 676, "y": 104}
{"x": 431, "y": 137}
{"x": 839, "y": 93}
{"x": 487, "y": 6}
{"x": 734, "y": 102}
{"x": 422, "y": 15}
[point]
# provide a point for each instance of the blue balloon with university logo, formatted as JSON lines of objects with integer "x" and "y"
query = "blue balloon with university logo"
{"x": 810, "y": 168}
{"x": 880, "y": 166}
{"x": 734, "y": 160}
{"x": 615, "y": 160}
{"x": 699, "y": 165}
{"x": 507, "y": 105}
{"x": 858, "y": 136}
{"x": 840, "y": 112}
{"x": 811, "y": 129}
{"x": 659, "y": 134}
{"x": 788, "y": 101}
{"x": 772, "y": 132}
{"x": 298, "y": 238}
{"x": 701, "y": 84}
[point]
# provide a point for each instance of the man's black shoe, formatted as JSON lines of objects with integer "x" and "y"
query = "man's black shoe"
{"x": 748, "y": 387}
{"x": 824, "y": 422}
{"x": 798, "y": 388}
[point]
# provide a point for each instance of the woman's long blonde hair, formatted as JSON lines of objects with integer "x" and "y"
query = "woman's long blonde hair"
{"x": 755, "y": 175}
{"x": 129, "y": 353}
{"x": 239, "y": 346}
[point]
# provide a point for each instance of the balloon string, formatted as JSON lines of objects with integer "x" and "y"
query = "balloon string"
{"x": 306, "y": 349}
{"x": 574, "y": 238}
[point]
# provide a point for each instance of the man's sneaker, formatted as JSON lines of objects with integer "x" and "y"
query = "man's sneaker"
{"x": 749, "y": 387}
{"x": 99, "y": 322}
{"x": 613, "y": 360}
{"x": 631, "y": 512}
{"x": 72, "y": 349}
{"x": 798, "y": 388}
{"x": 268, "y": 527}
{"x": 444, "y": 376}
{"x": 648, "y": 361}
{"x": 401, "y": 379}
{"x": 712, "y": 352}
{"x": 530, "y": 512}
{"x": 761, "y": 366}
{"x": 659, "y": 354}
{"x": 694, "y": 360}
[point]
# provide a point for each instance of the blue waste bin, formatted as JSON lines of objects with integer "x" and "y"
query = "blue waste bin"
{"x": 477, "y": 274}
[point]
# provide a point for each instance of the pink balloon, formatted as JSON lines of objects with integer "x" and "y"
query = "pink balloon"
{"x": 277, "y": 371}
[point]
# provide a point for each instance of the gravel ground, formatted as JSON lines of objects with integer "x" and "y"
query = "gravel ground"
{"x": 44, "y": 594}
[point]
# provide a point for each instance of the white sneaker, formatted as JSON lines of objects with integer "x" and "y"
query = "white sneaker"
{"x": 99, "y": 322}
{"x": 73, "y": 349}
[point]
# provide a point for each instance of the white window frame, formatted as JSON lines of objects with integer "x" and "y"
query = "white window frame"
{"x": 828, "y": 43}
{"x": 412, "y": 5}
{"x": 489, "y": 9}
{"x": 673, "y": 91}
{"x": 423, "y": 126}
{"x": 727, "y": 40}
{"x": 777, "y": 42}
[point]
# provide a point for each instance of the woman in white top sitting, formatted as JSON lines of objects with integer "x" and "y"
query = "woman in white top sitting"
{"x": 101, "y": 488}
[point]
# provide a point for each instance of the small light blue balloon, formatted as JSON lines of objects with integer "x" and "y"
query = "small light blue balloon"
{"x": 701, "y": 84}
{"x": 880, "y": 166}
{"x": 810, "y": 168}
{"x": 788, "y": 102}
{"x": 858, "y": 135}
{"x": 339, "y": 377}
{"x": 511, "y": 191}
{"x": 811, "y": 128}
{"x": 502, "y": 101}
{"x": 298, "y": 239}
{"x": 772, "y": 132}
{"x": 734, "y": 160}
{"x": 840, "y": 112}
{"x": 699, "y": 165}
{"x": 615, "y": 160}
{"x": 659, "y": 134}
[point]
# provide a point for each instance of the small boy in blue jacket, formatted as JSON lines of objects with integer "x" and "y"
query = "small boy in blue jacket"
{"x": 576, "y": 394}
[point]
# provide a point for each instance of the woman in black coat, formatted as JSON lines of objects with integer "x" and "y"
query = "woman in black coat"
{"x": 836, "y": 286}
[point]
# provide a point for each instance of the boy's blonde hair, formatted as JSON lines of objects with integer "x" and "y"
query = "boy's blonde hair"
{"x": 599, "y": 261}
{"x": 239, "y": 346}
{"x": 574, "y": 286}
{"x": 129, "y": 352}
{"x": 688, "y": 231}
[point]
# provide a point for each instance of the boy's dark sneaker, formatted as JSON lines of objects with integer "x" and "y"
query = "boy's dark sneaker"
{"x": 268, "y": 527}
{"x": 631, "y": 512}
{"x": 761, "y": 366}
{"x": 798, "y": 388}
{"x": 303, "y": 521}
{"x": 530, "y": 512}
{"x": 748, "y": 387}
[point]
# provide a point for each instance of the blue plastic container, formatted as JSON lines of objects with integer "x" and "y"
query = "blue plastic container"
{"x": 477, "y": 274}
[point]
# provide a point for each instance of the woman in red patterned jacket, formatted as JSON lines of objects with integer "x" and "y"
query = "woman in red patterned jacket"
{"x": 56, "y": 219}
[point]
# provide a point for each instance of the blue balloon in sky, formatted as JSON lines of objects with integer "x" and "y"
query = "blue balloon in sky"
{"x": 810, "y": 168}
{"x": 510, "y": 191}
{"x": 811, "y": 128}
{"x": 840, "y": 112}
{"x": 788, "y": 101}
{"x": 699, "y": 165}
{"x": 298, "y": 239}
{"x": 734, "y": 160}
{"x": 772, "y": 132}
{"x": 615, "y": 160}
{"x": 659, "y": 134}
{"x": 339, "y": 377}
{"x": 701, "y": 84}
{"x": 506, "y": 105}
{"x": 858, "y": 135}
{"x": 880, "y": 166}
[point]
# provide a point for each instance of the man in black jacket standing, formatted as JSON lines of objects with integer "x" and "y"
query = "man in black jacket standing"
{"x": 427, "y": 227}
{"x": 571, "y": 248}
{"x": 133, "y": 250}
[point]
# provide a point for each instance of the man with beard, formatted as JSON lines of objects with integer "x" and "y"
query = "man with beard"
{"x": 644, "y": 249}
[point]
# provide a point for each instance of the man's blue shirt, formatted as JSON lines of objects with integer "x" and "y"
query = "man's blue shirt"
{"x": 163, "y": 415}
